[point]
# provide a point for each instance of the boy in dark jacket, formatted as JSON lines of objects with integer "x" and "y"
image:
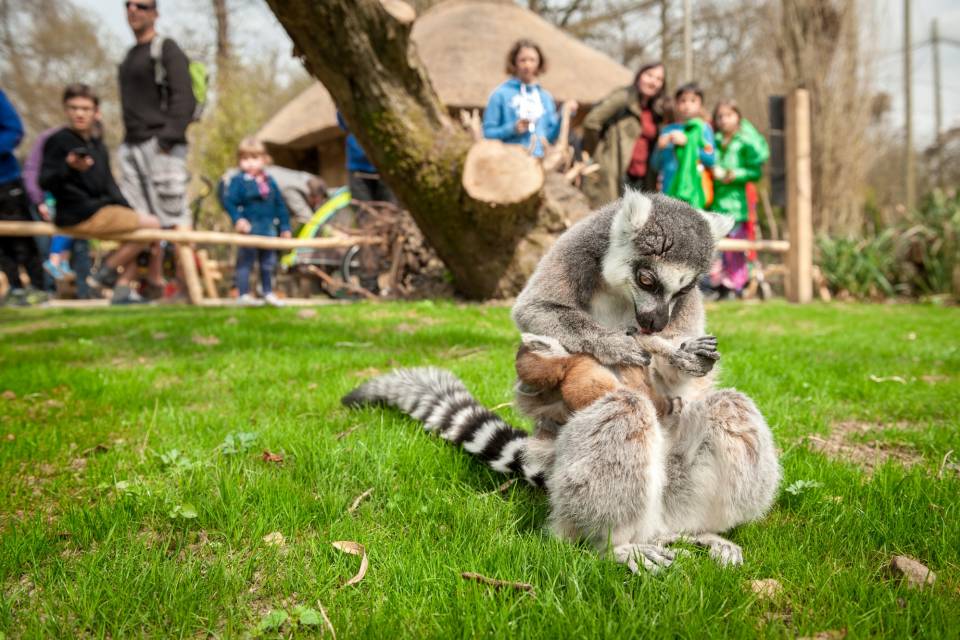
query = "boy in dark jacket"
{"x": 256, "y": 207}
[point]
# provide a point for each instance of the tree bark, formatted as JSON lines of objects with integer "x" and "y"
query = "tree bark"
{"x": 366, "y": 60}
{"x": 224, "y": 58}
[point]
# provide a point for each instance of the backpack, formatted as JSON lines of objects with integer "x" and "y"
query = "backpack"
{"x": 199, "y": 78}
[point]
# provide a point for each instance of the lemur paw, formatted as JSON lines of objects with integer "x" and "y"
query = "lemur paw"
{"x": 696, "y": 357}
{"x": 726, "y": 553}
{"x": 621, "y": 350}
{"x": 651, "y": 557}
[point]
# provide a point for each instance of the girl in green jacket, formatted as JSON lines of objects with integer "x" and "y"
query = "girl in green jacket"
{"x": 741, "y": 152}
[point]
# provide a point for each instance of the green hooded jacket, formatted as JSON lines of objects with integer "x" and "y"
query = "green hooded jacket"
{"x": 687, "y": 183}
{"x": 743, "y": 155}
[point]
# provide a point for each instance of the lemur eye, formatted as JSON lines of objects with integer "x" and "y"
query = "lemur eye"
{"x": 645, "y": 279}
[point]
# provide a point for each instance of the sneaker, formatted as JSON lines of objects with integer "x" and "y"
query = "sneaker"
{"x": 16, "y": 298}
{"x": 53, "y": 270}
{"x": 247, "y": 300}
{"x": 125, "y": 295}
{"x": 103, "y": 278}
{"x": 66, "y": 271}
{"x": 34, "y": 297}
{"x": 272, "y": 300}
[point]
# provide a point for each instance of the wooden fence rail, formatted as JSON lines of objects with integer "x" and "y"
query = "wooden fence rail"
{"x": 183, "y": 240}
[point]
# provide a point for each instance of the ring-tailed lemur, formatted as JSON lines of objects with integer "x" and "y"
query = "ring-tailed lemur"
{"x": 634, "y": 264}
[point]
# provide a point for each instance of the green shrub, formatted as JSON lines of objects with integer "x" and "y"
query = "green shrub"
{"x": 863, "y": 268}
{"x": 928, "y": 246}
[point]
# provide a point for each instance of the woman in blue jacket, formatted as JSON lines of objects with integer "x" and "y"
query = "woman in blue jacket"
{"x": 520, "y": 111}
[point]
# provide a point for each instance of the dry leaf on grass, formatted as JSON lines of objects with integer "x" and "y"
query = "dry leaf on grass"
{"x": 10, "y": 437}
{"x": 899, "y": 379}
{"x": 498, "y": 584}
{"x": 275, "y": 539}
{"x": 768, "y": 588}
{"x": 231, "y": 320}
{"x": 360, "y": 498}
{"x": 306, "y": 314}
{"x": 506, "y": 485}
{"x": 369, "y": 372}
{"x": 917, "y": 574}
{"x": 159, "y": 335}
{"x": 357, "y": 549}
{"x": 268, "y": 456}
{"x": 934, "y": 378}
{"x": 9, "y": 395}
{"x": 206, "y": 341}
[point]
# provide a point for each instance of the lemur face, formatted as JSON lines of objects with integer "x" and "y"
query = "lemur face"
{"x": 658, "y": 249}
{"x": 656, "y": 288}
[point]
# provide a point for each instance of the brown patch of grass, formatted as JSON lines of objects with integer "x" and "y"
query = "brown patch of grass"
{"x": 868, "y": 455}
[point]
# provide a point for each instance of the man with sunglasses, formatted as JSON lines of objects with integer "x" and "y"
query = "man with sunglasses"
{"x": 158, "y": 105}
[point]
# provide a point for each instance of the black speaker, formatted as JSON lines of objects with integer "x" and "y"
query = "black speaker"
{"x": 777, "y": 167}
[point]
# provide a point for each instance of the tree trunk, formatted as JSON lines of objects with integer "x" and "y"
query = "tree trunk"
{"x": 366, "y": 60}
{"x": 222, "y": 19}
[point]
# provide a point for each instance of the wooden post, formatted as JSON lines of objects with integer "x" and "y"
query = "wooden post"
{"x": 188, "y": 265}
{"x": 206, "y": 274}
{"x": 799, "y": 198}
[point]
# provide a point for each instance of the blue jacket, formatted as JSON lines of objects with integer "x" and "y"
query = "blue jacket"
{"x": 264, "y": 214}
{"x": 357, "y": 159}
{"x": 665, "y": 160}
{"x": 504, "y": 109}
{"x": 11, "y": 133}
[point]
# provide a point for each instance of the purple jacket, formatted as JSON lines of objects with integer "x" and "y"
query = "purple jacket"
{"x": 31, "y": 167}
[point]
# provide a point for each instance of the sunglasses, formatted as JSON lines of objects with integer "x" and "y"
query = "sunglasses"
{"x": 140, "y": 6}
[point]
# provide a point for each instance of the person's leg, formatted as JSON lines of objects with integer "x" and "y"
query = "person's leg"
{"x": 245, "y": 258}
{"x": 81, "y": 266}
{"x": 8, "y": 264}
{"x": 268, "y": 263}
{"x": 31, "y": 261}
{"x": 382, "y": 192}
{"x": 359, "y": 188}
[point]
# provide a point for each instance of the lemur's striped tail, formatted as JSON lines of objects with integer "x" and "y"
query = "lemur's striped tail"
{"x": 438, "y": 399}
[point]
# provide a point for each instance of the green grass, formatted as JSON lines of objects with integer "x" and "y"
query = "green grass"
{"x": 94, "y": 542}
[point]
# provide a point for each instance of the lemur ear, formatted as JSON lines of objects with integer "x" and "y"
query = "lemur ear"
{"x": 634, "y": 212}
{"x": 720, "y": 225}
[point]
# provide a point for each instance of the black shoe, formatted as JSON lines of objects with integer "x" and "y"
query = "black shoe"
{"x": 103, "y": 278}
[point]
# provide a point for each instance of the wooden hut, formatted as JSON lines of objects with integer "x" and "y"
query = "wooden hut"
{"x": 463, "y": 44}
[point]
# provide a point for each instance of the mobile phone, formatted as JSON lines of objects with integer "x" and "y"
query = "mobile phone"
{"x": 83, "y": 152}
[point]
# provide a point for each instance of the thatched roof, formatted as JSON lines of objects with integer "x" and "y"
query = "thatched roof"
{"x": 464, "y": 44}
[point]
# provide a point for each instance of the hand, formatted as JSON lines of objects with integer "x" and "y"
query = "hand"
{"x": 571, "y": 105}
{"x": 522, "y": 126}
{"x": 78, "y": 162}
{"x": 719, "y": 172}
{"x": 44, "y": 211}
{"x": 696, "y": 357}
{"x": 242, "y": 226}
{"x": 285, "y": 234}
{"x": 679, "y": 138}
{"x": 665, "y": 141}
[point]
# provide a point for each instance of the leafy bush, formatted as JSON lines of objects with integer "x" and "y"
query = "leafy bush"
{"x": 863, "y": 268}
{"x": 918, "y": 257}
{"x": 929, "y": 246}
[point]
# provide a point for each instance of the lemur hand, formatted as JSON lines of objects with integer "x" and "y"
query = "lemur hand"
{"x": 696, "y": 357}
{"x": 619, "y": 350}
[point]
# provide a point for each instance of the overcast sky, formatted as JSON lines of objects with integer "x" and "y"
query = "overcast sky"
{"x": 257, "y": 27}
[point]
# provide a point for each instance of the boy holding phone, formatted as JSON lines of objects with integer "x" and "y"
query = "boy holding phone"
{"x": 76, "y": 170}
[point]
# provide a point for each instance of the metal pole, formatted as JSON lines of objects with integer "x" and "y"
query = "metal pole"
{"x": 908, "y": 106}
{"x": 937, "y": 99}
{"x": 687, "y": 41}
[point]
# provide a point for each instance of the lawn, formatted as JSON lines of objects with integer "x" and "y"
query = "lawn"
{"x": 139, "y": 501}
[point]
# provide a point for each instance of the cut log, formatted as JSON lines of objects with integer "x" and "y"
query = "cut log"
{"x": 501, "y": 174}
